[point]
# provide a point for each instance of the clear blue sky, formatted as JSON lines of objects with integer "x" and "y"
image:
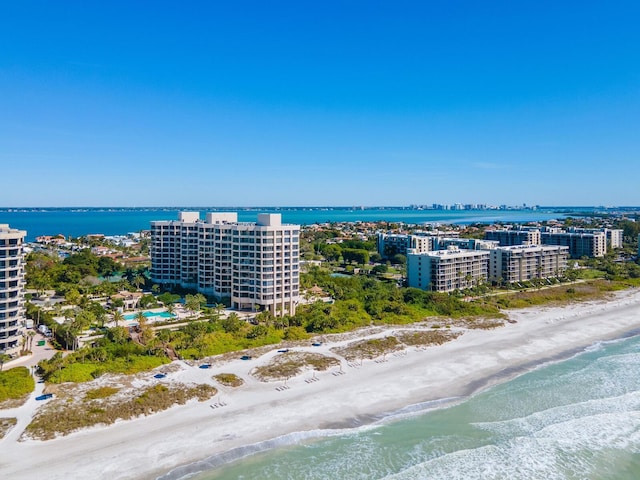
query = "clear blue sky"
{"x": 108, "y": 103}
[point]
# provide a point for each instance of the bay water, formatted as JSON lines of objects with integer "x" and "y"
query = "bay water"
{"x": 78, "y": 222}
{"x": 573, "y": 419}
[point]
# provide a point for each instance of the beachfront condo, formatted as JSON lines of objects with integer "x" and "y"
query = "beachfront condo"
{"x": 521, "y": 263}
{"x": 254, "y": 265}
{"x": 447, "y": 270}
{"x": 12, "y": 283}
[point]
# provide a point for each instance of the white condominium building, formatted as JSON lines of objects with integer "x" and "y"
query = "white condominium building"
{"x": 255, "y": 265}
{"x": 520, "y": 263}
{"x": 447, "y": 270}
{"x": 12, "y": 283}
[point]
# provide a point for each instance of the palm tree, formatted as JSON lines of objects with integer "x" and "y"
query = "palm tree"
{"x": 30, "y": 334}
{"x": 118, "y": 317}
{"x": 142, "y": 320}
{"x": 138, "y": 281}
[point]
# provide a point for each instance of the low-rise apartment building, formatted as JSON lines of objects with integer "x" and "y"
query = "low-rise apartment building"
{"x": 508, "y": 236}
{"x": 521, "y": 263}
{"x": 447, "y": 270}
{"x": 255, "y": 265}
{"x": 613, "y": 235}
{"x": 392, "y": 244}
{"x": 580, "y": 244}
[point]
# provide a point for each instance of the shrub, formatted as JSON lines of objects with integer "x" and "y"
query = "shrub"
{"x": 101, "y": 392}
{"x": 229, "y": 379}
{"x": 15, "y": 383}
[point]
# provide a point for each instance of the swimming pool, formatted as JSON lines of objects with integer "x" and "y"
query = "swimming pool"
{"x": 149, "y": 314}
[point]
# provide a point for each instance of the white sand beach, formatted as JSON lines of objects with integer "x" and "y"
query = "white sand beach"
{"x": 257, "y": 411}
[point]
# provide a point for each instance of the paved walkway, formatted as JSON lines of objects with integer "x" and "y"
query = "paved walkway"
{"x": 38, "y": 353}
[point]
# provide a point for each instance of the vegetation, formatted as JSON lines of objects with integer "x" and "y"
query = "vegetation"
{"x": 291, "y": 364}
{"x": 560, "y": 294}
{"x": 427, "y": 337}
{"x": 15, "y": 384}
{"x": 611, "y": 268}
{"x": 6, "y": 424}
{"x": 371, "y": 298}
{"x": 361, "y": 301}
{"x": 101, "y": 392}
{"x": 114, "y": 353}
{"x": 370, "y": 349}
{"x": 66, "y": 415}
{"x": 229, "y": 379}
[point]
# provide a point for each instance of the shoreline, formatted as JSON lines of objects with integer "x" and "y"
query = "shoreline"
{"x": 175, "y": 442}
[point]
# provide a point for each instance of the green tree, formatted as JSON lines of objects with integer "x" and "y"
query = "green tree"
{"x": 138, "y": 281}
{"x": 358, "y": 256}
{"x": 117, "y": 317}
{"x": 399, "y": 259}
{"x": 331, "y": 252}
{"x": 232, "y": 324}
{"x": 194, "y": 302}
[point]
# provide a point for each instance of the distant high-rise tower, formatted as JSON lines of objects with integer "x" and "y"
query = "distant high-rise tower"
{"x": 12, "y": 282}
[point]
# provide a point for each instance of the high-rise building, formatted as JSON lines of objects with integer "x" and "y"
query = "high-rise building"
{"x": 254, "y": 265}
{"x": 12, "y": 283}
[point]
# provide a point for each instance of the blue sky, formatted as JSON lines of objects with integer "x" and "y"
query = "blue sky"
{"x": 319, "y": 103}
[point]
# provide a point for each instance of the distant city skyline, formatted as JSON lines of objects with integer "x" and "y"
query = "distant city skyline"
{"x": 319, "y": 104}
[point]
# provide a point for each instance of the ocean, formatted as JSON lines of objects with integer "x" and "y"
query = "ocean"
{"x": 78, "y": 222}
{"x": 573, "y": 419}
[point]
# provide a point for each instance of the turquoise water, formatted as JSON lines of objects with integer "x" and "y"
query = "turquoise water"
{"x": 78, "y": 222}
{"x": 576, "y": 419}
{"x": 147, "y": 313}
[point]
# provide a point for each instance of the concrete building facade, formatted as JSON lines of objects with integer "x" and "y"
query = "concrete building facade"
{"x": 447, "y": 270}
{"x": 508, "y": 237}
{"x": 12, "y": 284}
{"x": 255, "y": 265}
{"x": 521, "y": 263}
{"x": 466, "y": 243}
{"x": 580, "y": 244}
{"x": 390, "y": 244}
{"x": 613, "y": 235}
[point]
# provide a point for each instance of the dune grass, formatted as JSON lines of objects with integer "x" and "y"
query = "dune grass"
{"x": 228, "y": 379}
{"x": 370, "y": 349}
{"x": 6, "y": 424}
{"x": 65, "y": 415}
{"x": 291, "y": 364}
